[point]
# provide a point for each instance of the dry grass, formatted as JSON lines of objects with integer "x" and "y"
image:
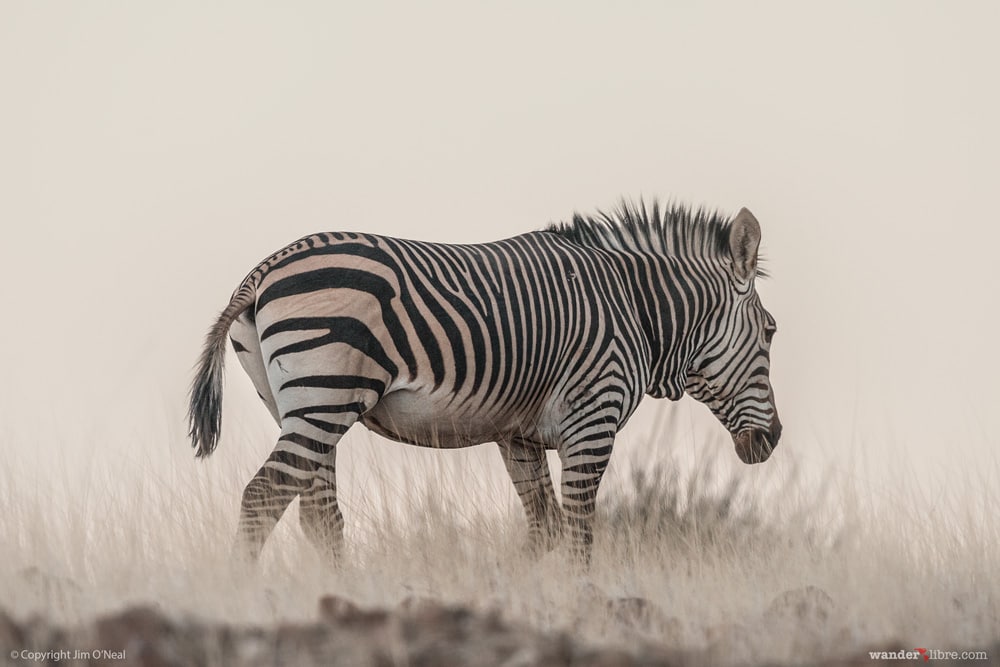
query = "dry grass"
{"x": 698, "y": 562}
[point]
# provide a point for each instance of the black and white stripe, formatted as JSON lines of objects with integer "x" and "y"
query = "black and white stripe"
{"x": 547, "y": 340}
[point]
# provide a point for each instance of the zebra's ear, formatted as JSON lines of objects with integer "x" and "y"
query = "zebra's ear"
{"x": 744, "y": 239}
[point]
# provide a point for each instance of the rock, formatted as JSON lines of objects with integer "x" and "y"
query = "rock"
{"x": 808, "y": 604}
{"x": 412, "y": 602}
{"x": 644, "y": 615}
{"x": 804, "y": 618}
{"x": 336, "y": 610}
{"x": 145, "y": 636}
{"x": 10, "y": 632}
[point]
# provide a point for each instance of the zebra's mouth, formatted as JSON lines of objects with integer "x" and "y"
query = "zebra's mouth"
{"x": 753, "y": 445}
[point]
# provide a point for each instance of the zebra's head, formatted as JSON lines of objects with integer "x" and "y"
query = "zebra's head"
{"x": 730, "y": 369}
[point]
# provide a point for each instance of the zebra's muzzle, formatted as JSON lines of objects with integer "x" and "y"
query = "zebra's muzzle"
{"x": 754, "y": 445}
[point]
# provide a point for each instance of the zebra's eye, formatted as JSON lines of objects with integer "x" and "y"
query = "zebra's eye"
{"x": 768, "y": 335}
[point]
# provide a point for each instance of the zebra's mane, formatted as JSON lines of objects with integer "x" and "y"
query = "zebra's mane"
{"x": 674, "y": 229}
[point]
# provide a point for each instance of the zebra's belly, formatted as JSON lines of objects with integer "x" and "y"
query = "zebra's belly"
{"x": 423, "y": 419}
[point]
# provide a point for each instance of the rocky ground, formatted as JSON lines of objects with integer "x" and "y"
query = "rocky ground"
{"x": 417, "y": 633}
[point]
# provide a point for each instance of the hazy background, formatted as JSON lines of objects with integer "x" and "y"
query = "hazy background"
{"x": 152, "y": 153}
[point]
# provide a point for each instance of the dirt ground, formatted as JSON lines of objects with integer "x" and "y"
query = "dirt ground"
{"x": 417, "y": 633}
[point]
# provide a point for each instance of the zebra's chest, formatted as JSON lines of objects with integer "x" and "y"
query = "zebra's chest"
{"x": 430, "y": 420}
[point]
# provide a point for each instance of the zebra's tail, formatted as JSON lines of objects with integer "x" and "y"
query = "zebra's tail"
{"x": 205, "y": 408}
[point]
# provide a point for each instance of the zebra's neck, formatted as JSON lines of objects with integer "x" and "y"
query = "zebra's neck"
{"x": 669, "y": 311}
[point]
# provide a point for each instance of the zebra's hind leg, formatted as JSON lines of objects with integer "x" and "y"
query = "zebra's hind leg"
{"x": 528, "y": 469}
{"x": 320, "y": 516}
{"x": 293, "y": 468}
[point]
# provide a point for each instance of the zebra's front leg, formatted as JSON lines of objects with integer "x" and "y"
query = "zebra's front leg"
{"x": 528, "y": 469}
{"x": 584, "y": 460}
{"x": 290, "y": 470}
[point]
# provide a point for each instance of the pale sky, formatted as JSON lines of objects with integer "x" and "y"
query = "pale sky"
{"x": 152, "y": 153}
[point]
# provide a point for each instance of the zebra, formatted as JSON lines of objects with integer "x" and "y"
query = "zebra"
{"x": 547, "y": 340}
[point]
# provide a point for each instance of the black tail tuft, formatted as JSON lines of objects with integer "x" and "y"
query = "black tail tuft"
{"x": 205, "y": 408}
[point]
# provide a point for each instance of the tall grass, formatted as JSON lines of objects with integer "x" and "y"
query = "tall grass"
{"x": 700, "y": 560}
